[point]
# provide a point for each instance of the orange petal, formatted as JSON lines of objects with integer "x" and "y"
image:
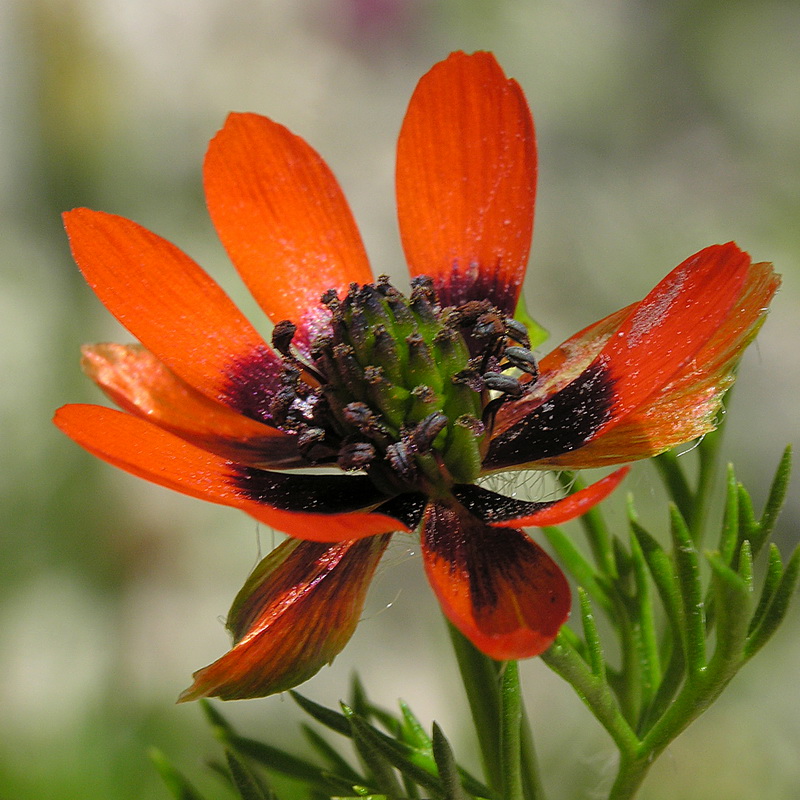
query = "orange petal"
{"x": 149, "y": 452}
{"x": 283, "y": 219}
{"x": 170, "y": 304}
{"x": 672, "y": 324}
{"x": 560, "y": 367}
{"x": 142, "y": 385}
{"x": 466, "y": 181}
{"x": 661, "y": 338}
{"x": 569, "y": 507}
{"x": 294, "y": 615}
{"x": 688, "y": 406}
{"x": 499, "y": 588}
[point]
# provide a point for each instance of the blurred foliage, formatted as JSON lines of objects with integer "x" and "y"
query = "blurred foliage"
{"x": 662, "y": 127}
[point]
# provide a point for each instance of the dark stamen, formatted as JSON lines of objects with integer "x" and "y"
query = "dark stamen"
{"x": 523, "y": 359}
{"x": 399, "y": 456}
{"x": 356, "y": 455}
{"x": 498, "y": 382}
{"x": 426, "y": 431}
{"x": 282, "y": 336}
{"x": 516, "y": 331}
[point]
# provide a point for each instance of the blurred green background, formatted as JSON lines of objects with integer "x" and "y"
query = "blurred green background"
{"x": 662, "y": 127}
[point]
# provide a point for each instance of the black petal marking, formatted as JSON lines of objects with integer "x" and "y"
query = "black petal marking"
{"x": 561, "y": 424}
{"x": 473, "y": 281}
{"x": 407, "y": 508}
{"x": 486, "y": 555}
{"x": 492, "y": 507}
{"x": 319, "y": 494}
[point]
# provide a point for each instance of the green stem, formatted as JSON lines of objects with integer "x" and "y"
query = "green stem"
{"x": 480, "y": 678}
{"x": 511, "y": 732}
{"x": 504, "y": 736}
{"x": 531, "y": 781}
{"x": 708, "y": 456}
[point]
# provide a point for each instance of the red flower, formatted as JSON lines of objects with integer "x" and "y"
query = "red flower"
{"x": 415, "y": 398}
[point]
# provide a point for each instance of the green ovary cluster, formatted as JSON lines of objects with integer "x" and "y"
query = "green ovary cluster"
{"x": 396, "y": 376}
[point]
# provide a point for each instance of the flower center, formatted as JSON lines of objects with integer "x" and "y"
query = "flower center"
{"x": 401, "y": 388}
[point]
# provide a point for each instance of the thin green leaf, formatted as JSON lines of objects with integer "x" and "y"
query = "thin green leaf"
{"x": 687, "y": 568}
{"x": 565, "y": 661}
{"x": 771, "y": 581}
{"x": 413, "y": 733}
{"x": 746, "y": 566}
{"x": 358, "y": 696}
{"x": 775, "y": 499}
{"x": 675, "y": 482}
{"x": 245, "y": 781}
{"x": 418, "y": 766}
{"x": 571, "y": 638}
{"x": 729, "y": 532}
{"x": 578, "y": 567}
{"x": 178, "y": 786}
{"x": 363, "y": 706}
{"x": 214, "y": 716}
{"x": 594, "y": 647}
{"x": 732, "y": 592}
{"x": 649, "y": 658}
{"x": 336, "y": 763}
{"x": 285, "y": 763}
{"x": 671, "y": 681}
{"x": 378, "y": 757}
{"x": 748, "y": 525}
{"x": 662, "y": 570}
{"x": 595, "y": 528}
{"x": 326, "y": 716}
{"x": 778, "y": 606}
{"x": 622, "y": 559}
{"x": 448, "y": 770}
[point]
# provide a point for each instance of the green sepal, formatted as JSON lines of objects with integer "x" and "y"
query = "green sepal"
{"x": 537, "y": 334}
{"x": 244, "y": 779}
{"x": 177, "y": 785}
